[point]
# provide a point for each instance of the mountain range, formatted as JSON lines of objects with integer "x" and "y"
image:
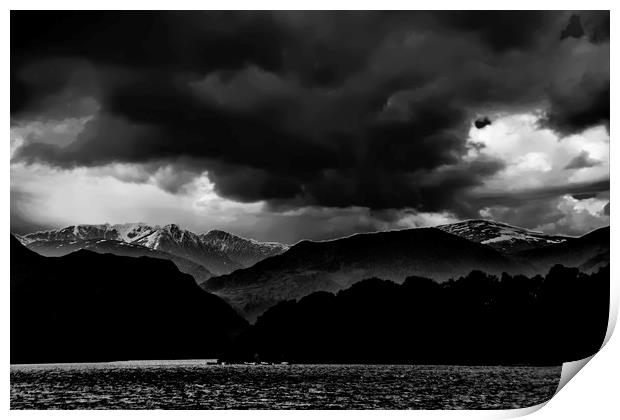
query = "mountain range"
{"x": 200, "y": 255}
{"x": 334, "y": 265}
{"x": 253, "y": 276}
{"x": 442, "y": 253}
{"x": 588, "y": 253}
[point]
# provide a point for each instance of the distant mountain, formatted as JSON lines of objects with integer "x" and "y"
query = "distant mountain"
{"x": 58, "y": 248}
{"x": 333, "y": 265}
{"x": 186, "y": 244}
{"x": 501, "y": 236}
{"x": 441, "y": 253}
{"x": 245, "y": 252}
{"x": 92, "y": 307}
{"x": 588, "y": 253}
{"x": 74, "y": 233}
{"x": 216, "y": 252}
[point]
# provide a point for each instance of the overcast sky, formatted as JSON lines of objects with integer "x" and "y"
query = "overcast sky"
{"x": 283, "y": 126}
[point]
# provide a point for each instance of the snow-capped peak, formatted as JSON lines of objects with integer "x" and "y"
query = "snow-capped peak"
{"x": 73, "y": 233}
{"x": 227, "y": 240}
{"x": 218, "y": 251}
{"x": 501, "y": 236}
{"x": 129, "y": 232}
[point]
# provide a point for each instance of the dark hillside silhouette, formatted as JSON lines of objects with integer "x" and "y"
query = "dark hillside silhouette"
{"x": 477, "y": 319}
{"x": 588, "y": 252}
{"x": 441, "y": 253}
{"x": 59, "y": 248}
{"x": 93, "y": 307}
{"x": 334, "y": 265}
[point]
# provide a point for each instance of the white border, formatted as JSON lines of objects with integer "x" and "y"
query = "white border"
{"x": 593, "y": 394}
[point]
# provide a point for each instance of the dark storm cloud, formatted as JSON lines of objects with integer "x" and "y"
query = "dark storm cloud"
{"x": 585, "y": 106}
{"x": 482, "y": 122}
{"x": 586, "y": 102}
{"x": 502, "y": 30}
{"x": 596, "y": 25}
{"x": 582, "y": 160}
{"x": 515, "y": 198}
{"x": 584, "y": 196}
{"x": 331, "y": 109}
{"x": 573, "y": 29}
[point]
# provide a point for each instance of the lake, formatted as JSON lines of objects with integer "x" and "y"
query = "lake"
{"x": 194, "y": 385}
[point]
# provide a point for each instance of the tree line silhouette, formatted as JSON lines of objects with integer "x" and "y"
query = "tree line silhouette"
{"x": 477, "y": 319}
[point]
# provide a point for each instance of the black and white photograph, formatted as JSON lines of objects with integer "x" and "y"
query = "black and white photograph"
{"x": 306, "y": 209}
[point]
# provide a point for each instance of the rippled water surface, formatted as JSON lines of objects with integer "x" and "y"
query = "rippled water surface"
{"x": 193, "y": 385}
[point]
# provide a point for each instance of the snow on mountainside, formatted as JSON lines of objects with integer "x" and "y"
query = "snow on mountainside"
{"x": 246, "y": 252}
{"x": 186, "y": 244}
{"x": 74, "y": 233}
{"x": 501, "y": 236}
{"x": 218, "y": 252}
{"x": 128, "y": 232}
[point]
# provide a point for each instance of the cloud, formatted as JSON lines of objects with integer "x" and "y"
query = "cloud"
{"x": 573, "y": 29}
{"x": 536, "y": 156}
{"x": 559, "y": 215}
{"x": 301, "y": 110}
{"x": 585, "y": 105}
{"x": 578, "y": 216}
{"x": 482, "y": 122}
{"x": 582, "y": 160}
{"x": 516, "y": 197}
{"x": 45, "y": 198}
{"x": 536, "y": 175}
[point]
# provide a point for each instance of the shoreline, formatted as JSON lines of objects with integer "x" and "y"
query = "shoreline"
{"x": 204, "y": 362}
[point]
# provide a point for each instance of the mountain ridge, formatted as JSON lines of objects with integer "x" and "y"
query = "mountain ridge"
{"x": 502, "y": 236}
{"x": 310, "y": 266}
{"x": 331, "y": 265}
{"x": 258, "y": 275}
{"x": 216, "y": 253}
